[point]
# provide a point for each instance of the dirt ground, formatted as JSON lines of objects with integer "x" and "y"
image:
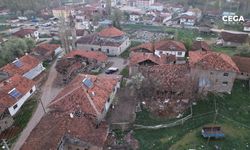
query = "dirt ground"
{"x": 124, "y": 108}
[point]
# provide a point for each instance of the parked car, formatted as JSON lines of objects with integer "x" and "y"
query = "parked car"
{"x": 111, "y": 70}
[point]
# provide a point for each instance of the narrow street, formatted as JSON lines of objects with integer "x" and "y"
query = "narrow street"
{"x": 48, "y": 93}
{"x": 118, "y": 62}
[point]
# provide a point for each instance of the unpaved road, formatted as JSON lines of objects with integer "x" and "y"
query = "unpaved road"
{"x": 48, "y": 93}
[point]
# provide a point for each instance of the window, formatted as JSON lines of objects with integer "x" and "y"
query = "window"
{"x": 15, "y": 106}
{"x": 108, "y": 100}
{"x": 179, "y": 53}
{"x": 92, "y": 49}
{"x": 226, "y": 74}
{"x": 211, "y": 73}
{"x": 225, "y": 83}
{"x": 99, "y": 49}
{"x": 31, "y": 91}
{"x": 107, "y": 50}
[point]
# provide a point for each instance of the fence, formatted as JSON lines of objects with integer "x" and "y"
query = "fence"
{"x": 178, "y": 122}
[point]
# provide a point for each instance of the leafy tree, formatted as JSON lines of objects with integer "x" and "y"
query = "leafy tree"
{"x": 116, "y": 18}
{"x": 13, "y": 48}
{"x": 30, "y": 44}
{"x": 244, "y": 50}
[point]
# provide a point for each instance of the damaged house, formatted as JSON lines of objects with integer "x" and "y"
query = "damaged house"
{"x": 168, "y": 88}
{"x": 75, "y": 117}
{"x": 47, "y": 52}
{"x": 79, "y": 61}
{"x": 138, "y": 60}
{"x": 212, "y": 72}
{"x": 234, "y": 39}
{"x": 243, "y": 63}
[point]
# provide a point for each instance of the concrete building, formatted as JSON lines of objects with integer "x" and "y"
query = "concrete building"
{"x": 243, "y": 63}
{"x": 212, "y": 72}
{"x": 110, "y": 40}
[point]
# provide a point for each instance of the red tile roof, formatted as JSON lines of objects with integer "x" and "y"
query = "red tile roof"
{"x": 46, "y": 49}
{"x": 99, "y": 56}
{"x": 243, "y": 63}
{"x": 234, "y": 37}
{"x": 200, "y": 45}
{"x": 76, "y": 94}
{"x": 28, "y": 62}
{"x": 165, "y": 45}
{"x": 55, "y": 126}
{"x": 170, "y": 76}
{"x": 111, "y": 32}
{"x": 22, "y": 32}
{"x": 212, "y": 61}
{"x": 21, "y": 84}
{"x": 138, "y": 57}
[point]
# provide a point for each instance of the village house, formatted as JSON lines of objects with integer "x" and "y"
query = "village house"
{"x": 234, "y": 39}
{"x": 212, "y": 72}
{"x": 75, "y": 116}
{"x": 47, "y": 52}
{"x": 26, "y": 66}
{"x": 138, "y": 60}
{"x": 167, "y": 47}
{"x": 205, "y": 28}
{"x": 64, "y": 12}
{"x": 110, "y": 40}
{"x": 14, "y": 92}
{"x": 79, "y": 61}
{"x": 175, "y": 8}
{"x": 135, "y": 17}
{"x": 247, "y": 26}
{"x": 200, "y": 46}
{"x": 191, "y": 17}
{"x": 187, "y": 20}
{"x": 27, "y": 33}
{"x": 172, "y": 88}
{"x": 243, "y": 63}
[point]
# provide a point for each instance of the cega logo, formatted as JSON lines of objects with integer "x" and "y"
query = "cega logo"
{"x": 233, "y": 19}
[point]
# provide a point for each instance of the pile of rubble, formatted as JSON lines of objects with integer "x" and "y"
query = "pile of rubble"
{"x": 167, "y": 89}
{"x": 68, "y": 68}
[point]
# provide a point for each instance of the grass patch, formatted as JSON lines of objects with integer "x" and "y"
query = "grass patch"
{"x": 236, "y": 107}
{"x": 23, "y": 116}
{"x": 125, "y": 72}
{"x": 227, "y": 50}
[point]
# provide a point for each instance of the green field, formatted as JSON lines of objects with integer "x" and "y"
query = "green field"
{"x": 233, "y": 116}
{"x": 227, "y": 50}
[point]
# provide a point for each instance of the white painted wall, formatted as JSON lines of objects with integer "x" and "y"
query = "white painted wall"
{"x": 113, "y": 51}
{"x": 112, "y": 96}
{"x": 176, "y": 53}
{"x": 20, "y": 102}
{"x": 34, "y": 72}
{"x": 247, "y": 29}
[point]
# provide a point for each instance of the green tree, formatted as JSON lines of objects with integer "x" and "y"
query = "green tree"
{"x": 117, "y": 17}
{"x": 244, "y": 50}
{"x": 13, "y": 48}
{"x": 30, "y": 44}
